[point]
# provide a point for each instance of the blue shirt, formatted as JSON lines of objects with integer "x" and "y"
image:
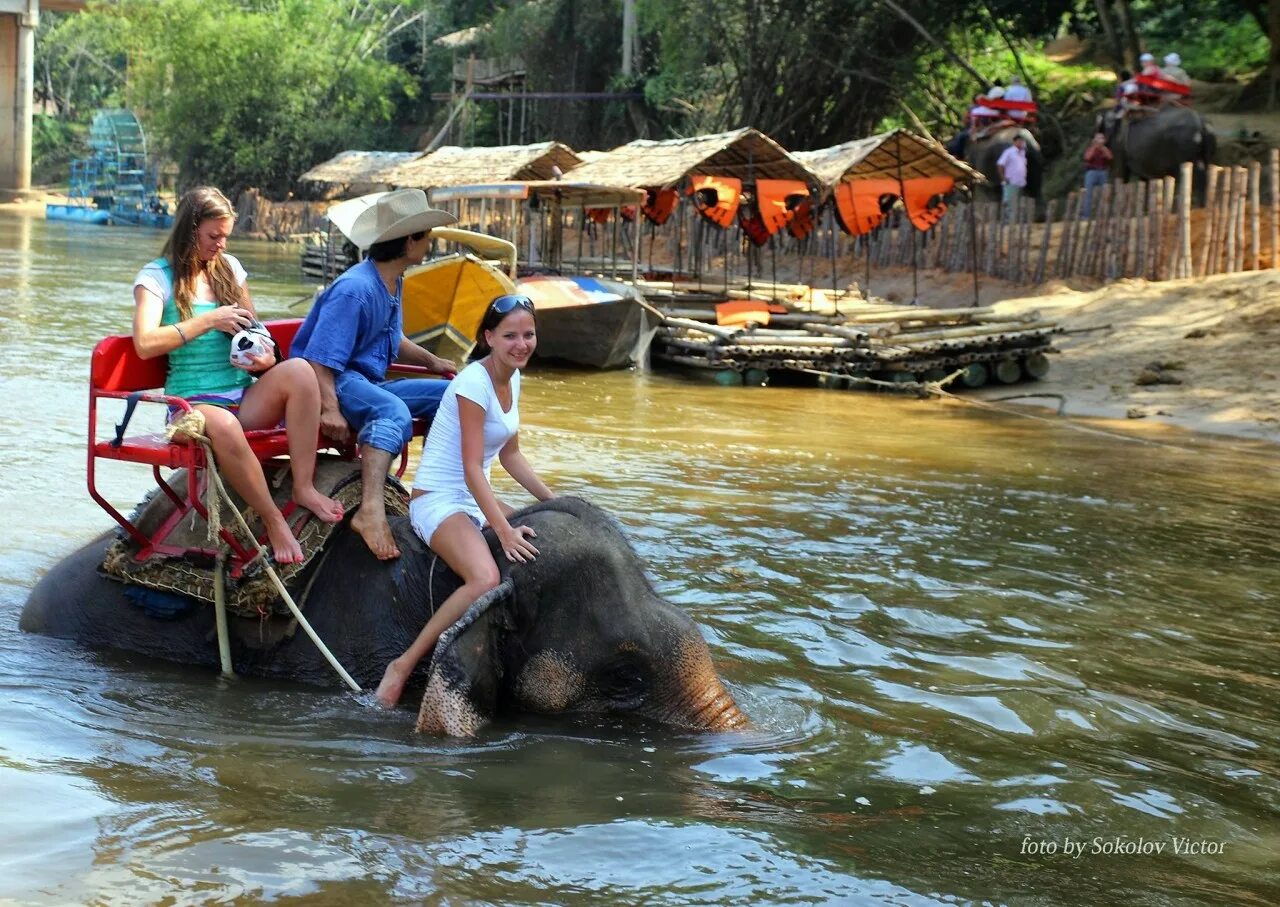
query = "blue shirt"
{"x": 355, "y": 325}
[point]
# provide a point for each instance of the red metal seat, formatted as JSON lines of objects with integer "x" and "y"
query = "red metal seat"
{"x": 118, "y": 372}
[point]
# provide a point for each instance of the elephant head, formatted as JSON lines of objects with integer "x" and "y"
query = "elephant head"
{"x": 579, "y": 630}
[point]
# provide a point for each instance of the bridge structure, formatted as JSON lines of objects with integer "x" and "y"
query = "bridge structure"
{"x": 18, "y": 21}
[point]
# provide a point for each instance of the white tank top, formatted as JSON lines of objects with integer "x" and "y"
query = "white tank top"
{"x": 440, "y": 468}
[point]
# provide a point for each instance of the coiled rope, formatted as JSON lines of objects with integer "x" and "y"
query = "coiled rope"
{"x": 191, "y": 425}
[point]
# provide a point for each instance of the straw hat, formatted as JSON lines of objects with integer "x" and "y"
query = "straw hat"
{"x": 381, "y": 216}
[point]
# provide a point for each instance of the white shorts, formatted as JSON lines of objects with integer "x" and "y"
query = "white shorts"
{"x": 428, "y": 511}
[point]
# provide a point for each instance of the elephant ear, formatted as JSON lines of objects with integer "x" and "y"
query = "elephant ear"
{"x": 467, "y": 667}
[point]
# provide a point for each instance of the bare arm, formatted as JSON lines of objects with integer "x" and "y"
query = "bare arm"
{"x": 518, "y": 468}
{"x": 411, "y": 354}
{"x": 332, "y": 423}
{"x": 514, "y": 541}
{"x": 151, "y": 339}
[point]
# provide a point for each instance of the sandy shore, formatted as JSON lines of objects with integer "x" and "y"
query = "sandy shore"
{"x": 1202, "y": 355}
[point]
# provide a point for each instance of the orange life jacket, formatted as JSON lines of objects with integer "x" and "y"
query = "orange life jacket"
{"x": 716, "y": 197}
{"x": 776, "y": 201}
{"x": 597, "y": 215}
{"x": 801, "y": 223}
{"x": 861, "y": 205}
{"x": 924, "y": 201}
{"x": 659, "y": 205}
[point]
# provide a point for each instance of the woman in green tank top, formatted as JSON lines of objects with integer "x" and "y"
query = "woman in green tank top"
{"x": 187, "y": 304}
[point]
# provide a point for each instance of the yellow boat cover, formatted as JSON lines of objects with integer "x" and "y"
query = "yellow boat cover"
{"x": 445, "y": 300}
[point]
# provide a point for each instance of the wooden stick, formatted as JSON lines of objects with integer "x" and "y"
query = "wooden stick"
{"x": 1184, "y": 221}
{"x": 1229, "y": 225}
{"x": 1210, "y": 218}
{"x": 1043, "y": 258}
{"x": 1275, "y": 208}
{"x": 906, "y": 338}
{"x": 1255, "y": 237}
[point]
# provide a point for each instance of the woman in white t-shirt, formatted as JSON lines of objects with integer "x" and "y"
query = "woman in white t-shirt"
{"x": 187, "y": 305}
{"x": 478, "y": 420}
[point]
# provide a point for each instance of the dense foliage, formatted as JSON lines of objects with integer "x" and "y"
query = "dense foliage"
{"x": 253, "y": 92}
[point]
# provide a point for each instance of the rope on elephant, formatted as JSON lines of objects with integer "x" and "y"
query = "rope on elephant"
{"x": 192, "y": 425}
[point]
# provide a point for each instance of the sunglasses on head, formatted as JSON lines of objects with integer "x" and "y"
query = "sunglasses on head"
{"x": 504, "y": 304}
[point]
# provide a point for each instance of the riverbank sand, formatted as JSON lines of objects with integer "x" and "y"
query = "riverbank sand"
{"x": 1202, "y": 355}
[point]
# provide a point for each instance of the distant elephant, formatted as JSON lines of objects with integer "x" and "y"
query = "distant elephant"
{"x": 1156, "y": 145}
{"x": 982, "y": 153}
{"x": 578, "y": 630}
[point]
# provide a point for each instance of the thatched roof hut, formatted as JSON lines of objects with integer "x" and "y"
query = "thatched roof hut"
{"x": 747, "y": 154}
{"x": 454, "y": 166}
{"x": 878, "y": 157}
{"x": 364, "y": 169}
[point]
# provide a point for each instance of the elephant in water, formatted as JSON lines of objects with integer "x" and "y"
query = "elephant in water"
{"x": 1157, "y": 144}
{"x": 578, "y": 630}
{"x": 982, "y": 153}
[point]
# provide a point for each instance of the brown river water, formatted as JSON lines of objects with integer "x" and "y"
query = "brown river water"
{"x": 970, "y": 643}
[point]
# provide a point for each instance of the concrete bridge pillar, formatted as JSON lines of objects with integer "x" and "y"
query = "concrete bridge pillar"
{"x": 17, "y": 77}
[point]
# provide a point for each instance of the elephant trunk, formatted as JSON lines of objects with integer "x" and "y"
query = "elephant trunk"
{"x": 716, "y": 710}
{"x": 699, "y": 699}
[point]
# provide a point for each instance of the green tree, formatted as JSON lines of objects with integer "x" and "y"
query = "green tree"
{"x": 252, "y": 93}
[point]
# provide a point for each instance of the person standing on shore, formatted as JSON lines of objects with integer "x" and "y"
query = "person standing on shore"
{"x": 1097, "y": 161}
{"x": 1012, "y": 165}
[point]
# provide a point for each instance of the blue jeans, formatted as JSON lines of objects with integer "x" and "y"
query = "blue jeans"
{"x": 382, "y": 413}
{"x": 1093, "y": 179}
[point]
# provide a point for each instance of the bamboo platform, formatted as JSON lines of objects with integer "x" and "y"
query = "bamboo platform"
{"x": 869, "y": 344}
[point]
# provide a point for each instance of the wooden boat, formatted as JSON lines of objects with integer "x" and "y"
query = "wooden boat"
{"x": 582, "y": 319}
{"x": 589, "y": 321}
{"x": 445, "y": 298}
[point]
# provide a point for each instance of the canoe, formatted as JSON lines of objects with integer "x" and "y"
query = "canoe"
{"x": 589, "y": 321}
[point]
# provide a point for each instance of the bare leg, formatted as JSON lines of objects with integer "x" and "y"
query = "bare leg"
{"x": 290, "y": 390}
{"x": 371, "y": 519}
{"x": 464, "y": 549}
{"x": 242, "y": 470}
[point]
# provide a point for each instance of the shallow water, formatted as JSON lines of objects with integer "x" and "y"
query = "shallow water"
{"x": 963, "y": 637}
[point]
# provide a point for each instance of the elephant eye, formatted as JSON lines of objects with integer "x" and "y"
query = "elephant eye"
{"x": 623, "y": 679}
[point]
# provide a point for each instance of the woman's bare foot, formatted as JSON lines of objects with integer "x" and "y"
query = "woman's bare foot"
{"x": 376, "y": 532}
{"x": 326, "y": 509}
{"x": 392, "y": 685}
{"x": 284, "y": 547}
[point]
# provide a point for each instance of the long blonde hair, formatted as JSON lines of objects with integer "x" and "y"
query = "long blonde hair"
{"x": 197, "y": 206}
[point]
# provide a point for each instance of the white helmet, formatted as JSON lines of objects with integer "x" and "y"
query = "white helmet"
{"x": 1172, "y": 60}
{"x": 1147, "y": 58}
{"x": 996, "y": 93}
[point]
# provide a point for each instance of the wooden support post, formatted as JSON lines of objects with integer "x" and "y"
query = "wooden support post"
{"x": 1184, "y": 221}
{"x": 1275, "y": 208}
{"x": 1255, "y": 228}
{"x": 1210, "y": 218}
{"x": 1038, "y": 276}
{"x": 1143, "y": 190}
{"x": 1233, "y": 218}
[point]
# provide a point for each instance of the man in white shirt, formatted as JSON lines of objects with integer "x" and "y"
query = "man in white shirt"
{"x": 1012, "y": 165}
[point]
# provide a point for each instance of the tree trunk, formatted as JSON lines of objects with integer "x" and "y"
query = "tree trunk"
{"x": 1109, "y": 30}
{"x": 1128, "y": 36}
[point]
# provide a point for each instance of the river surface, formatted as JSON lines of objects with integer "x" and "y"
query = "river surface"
{"x": 969, "y": 641}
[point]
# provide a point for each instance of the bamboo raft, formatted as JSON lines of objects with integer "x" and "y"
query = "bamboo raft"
{"x": 869, "y": 344}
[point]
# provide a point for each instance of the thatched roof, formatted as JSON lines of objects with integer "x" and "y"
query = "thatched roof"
{"x": 569, "y": 193}
{"x": 453, "y": 166}
{"x": 747, "y": 154}
{"x": 358, "y": 167}
{"x": 878, "y": 157}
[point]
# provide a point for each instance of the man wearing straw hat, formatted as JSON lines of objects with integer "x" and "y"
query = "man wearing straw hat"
{"x": 355, "y": 330}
